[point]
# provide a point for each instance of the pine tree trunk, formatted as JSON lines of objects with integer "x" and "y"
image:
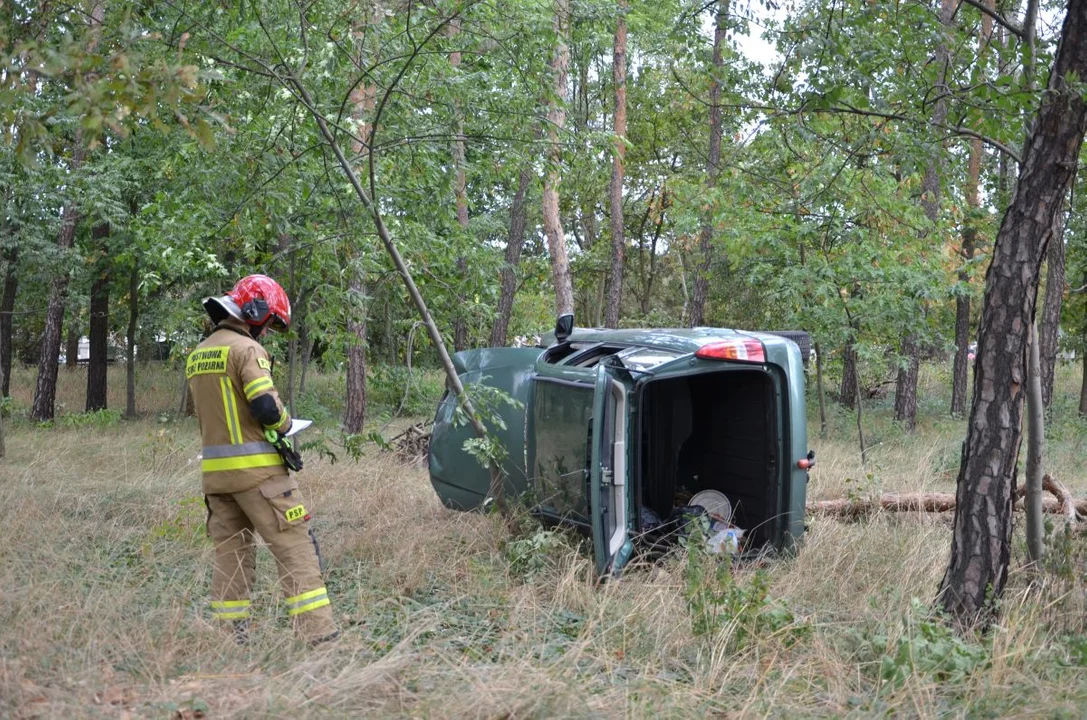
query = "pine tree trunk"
{"x": 7, "y": 307}
{"x": 130, "y": 338}
{"x": 514, "y": 243}
{"x": 98, "y": 332}
{"x": 556, "y": 117}
{"x": 981, "y": 538}
{"x": 705, "y": 238}
{"x": 618, "y": 239}
{"x": 847, "y": 394}
{"x": 1049, "y": 332}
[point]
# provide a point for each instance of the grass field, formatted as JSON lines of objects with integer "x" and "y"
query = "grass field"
{"x": 104, "y": 570}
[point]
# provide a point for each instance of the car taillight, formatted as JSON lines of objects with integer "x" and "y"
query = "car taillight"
{"x": 743, "y": 349}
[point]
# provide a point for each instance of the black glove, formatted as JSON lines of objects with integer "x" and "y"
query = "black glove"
{"x": 283, "y": 445}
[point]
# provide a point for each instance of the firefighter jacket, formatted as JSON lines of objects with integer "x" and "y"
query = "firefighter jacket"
{"x": 230, "y": 378}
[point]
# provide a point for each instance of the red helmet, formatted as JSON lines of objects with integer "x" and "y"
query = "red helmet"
{"x": 256, "y": 299}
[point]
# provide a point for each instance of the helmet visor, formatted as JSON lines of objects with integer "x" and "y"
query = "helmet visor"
{"x": 276, "y": 323}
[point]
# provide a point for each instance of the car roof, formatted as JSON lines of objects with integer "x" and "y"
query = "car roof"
{"x": 682, "y": 340}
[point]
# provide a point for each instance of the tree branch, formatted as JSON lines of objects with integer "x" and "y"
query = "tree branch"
{"x": 1000, "y": 19}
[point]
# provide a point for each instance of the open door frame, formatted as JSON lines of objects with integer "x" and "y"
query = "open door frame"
{"x": 609, "y": 485}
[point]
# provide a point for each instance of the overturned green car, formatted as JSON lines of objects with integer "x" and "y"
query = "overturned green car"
{"x": 618, "y": 429}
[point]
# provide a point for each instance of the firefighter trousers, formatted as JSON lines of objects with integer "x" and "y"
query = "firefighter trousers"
{"x": 273, "y": 510}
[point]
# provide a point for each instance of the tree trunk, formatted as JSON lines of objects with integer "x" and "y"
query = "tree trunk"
{"x": 860, "y": 417}
{"x": 306, "y": 342}
{"x": 7, "y": 307}
{"x": 618, "y": 240}
{"x": 45, "y": 392}
{"x": 961, "y": 367}
{"x": 705, "y": 238}
{"x": 1083, "y": 388}
{"x": 1083, "y": 374}
{"x": 1049, "y": 336}
{"x": 3, "y": 450}
{"x": 822, "y": 392}
{"x": 71, "y": 343}
{"x": 937, "y": 502}
{"x": 1035, "y": 451}
{"x": 364, "y": 101}
{"x": 130, "y": 338}
{"x": 906, "y": 387}
{"x": 98, "y": 332}
{"x": 354, "y": 414}
{"x": 460, "y": 192}
{"x": 847, "y": 394}
{"x": 514, "y": 243}
{"x": 981, "y": 539}
{"x": 556, "y": 119}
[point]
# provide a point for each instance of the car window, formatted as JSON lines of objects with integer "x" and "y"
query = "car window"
{"x": 559, "y": 353}
{"x": 560, "y": 416}
{"x": 593, "y": 356}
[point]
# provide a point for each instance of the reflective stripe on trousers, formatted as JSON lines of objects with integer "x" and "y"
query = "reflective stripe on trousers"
{"x": 307, "y": 601}
{"x": 230, "y": 609}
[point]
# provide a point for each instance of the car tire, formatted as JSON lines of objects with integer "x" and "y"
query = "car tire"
{"x": 801, "y": 338}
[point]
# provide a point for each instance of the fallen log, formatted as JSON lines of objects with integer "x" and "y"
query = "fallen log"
{"x": 1066, "y": 505}
{"x": 1062, "y": 504}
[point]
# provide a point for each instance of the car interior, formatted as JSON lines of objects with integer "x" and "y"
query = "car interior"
{"x": 711, "y": 431}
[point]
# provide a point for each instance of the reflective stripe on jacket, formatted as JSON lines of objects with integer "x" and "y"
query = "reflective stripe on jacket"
{"x": 226, "y": 372}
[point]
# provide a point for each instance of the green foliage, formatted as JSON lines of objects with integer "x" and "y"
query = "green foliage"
{"x": 718, "y": 601}
{"x": 95, "y": 419}
{"x": 487, "y": 402}
{"x": 397, "y": 391}
{"x": 536, "y": 553}
{"x": 926, "y": 646}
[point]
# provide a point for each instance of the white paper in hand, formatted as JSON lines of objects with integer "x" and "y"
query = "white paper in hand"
{"x": 298, "y": 426}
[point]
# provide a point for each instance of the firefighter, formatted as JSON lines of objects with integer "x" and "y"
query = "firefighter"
{"x": 247, "y": 486}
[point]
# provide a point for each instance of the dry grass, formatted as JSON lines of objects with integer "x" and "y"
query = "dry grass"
{"x": 104, "y": 570}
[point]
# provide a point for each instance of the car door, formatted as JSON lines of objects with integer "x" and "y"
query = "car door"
{"x": 609, "y": 487}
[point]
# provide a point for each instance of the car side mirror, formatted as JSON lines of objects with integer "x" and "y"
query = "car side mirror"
{"x": 563, "y": 327}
